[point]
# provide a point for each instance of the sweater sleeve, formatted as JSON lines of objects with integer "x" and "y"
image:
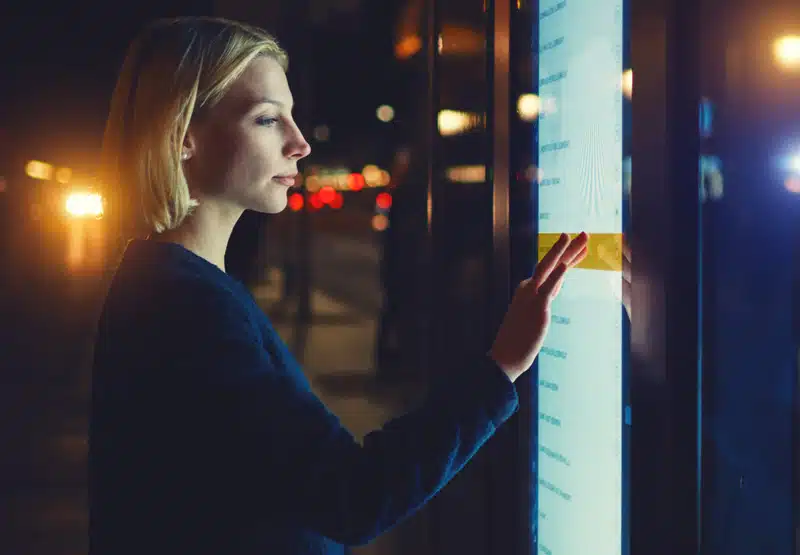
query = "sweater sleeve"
{"x": 290, "y": 453}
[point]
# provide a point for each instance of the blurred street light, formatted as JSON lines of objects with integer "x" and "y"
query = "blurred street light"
{"x": 794, "y": 164}
{"x": 380, "y": 222}
{"x": 466, "y": 174}
{"x": 327, "y": 194}
{"x": 39, "y": 170}
{"x": 787, "y": 52}
{"x": 356, "y": 181}
{"x": 407, "y": 46}
{"x": 453, "y": 122}
{"x": 385, "y": 113}
{"x": 372, "y": 174}
{"x": 315, "y": 202}
{"x": 528, "y": 107}
{"x": 83, "y": 205}
{"x": 296, "y": 202}
{"x": 383, "y": 201}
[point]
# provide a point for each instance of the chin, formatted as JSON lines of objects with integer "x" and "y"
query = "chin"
{"x": 271, "y": 204}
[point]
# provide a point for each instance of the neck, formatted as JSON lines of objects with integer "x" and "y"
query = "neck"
{"x": 206, "y": 232}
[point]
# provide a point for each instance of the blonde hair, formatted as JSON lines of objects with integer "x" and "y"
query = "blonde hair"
{"x": 173, "y": 70}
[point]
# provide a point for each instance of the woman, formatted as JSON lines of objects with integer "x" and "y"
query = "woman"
{"x": 205, "y": 436}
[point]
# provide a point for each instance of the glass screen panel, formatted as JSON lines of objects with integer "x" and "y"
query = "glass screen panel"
{"x": 583, "y": 185}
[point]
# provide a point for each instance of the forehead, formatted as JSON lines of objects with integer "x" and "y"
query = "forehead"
{"x": 263, "y": 79}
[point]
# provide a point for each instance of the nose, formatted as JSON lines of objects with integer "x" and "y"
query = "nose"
{"x": 296, "y": 146}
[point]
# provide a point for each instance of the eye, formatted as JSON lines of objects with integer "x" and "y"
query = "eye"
{"x": 266, "y": 121}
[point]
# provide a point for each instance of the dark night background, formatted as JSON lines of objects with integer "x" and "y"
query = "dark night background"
{"x": 59, "y": 63}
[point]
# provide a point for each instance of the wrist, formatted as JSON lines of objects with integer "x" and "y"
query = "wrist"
{"x": 510, "y": 370}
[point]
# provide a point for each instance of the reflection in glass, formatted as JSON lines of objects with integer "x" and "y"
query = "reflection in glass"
{"x": 750, "y": 218}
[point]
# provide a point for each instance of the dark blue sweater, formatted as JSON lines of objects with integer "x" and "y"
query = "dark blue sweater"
{"x": 205, "y": 436}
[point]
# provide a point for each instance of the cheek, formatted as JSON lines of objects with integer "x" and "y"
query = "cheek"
{"x": 218, "y": 160}
{"x": 257, "y": 158}
{"x": 239, "y": 164}
{"x": 241, "y": 159}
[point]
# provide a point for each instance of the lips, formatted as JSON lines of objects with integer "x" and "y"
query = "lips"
{"x": 287, "y": 180}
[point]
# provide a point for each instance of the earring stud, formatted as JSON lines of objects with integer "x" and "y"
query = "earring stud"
{"x": 184, "y": 155}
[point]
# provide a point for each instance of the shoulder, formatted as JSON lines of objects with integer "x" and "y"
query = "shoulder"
{"x": 170, "y": 301}
{"x": 176, "y": 327}
{"x": 205, "y": 306}
{"x": 166, "y": 281}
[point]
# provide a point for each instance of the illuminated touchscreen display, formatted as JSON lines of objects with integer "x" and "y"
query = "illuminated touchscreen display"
{"x": 580, "y": 460}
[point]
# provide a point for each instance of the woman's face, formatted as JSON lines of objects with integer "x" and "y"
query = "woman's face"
{"x": 244, "y": 151}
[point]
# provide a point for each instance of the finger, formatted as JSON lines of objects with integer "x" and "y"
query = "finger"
{"x": 549, "y": 260}
{"x": 559, "y": 285}
{"x": 577, "y": 259}
{"x": 580, "y": 242}
{"x": 552, "y": 284}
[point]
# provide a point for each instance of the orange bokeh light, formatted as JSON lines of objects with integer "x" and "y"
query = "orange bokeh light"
{"x": 355, "y": 181}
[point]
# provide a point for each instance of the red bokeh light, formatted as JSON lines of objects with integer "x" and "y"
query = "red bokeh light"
{"x": 327, "y": 194}
{"x": 296, "y": 202}
{"x": 337, "y": 201}
{"x": 384, "y": 201}
{"x": 315, "y": 201}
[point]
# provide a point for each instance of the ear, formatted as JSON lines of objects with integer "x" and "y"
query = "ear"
{"x": 189, "y": 147}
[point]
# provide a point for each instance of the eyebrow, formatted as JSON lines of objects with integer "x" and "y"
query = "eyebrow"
{"x": 277, "y": 103}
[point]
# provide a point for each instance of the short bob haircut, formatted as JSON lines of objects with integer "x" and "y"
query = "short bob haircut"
{"x": 173, "y": 71}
